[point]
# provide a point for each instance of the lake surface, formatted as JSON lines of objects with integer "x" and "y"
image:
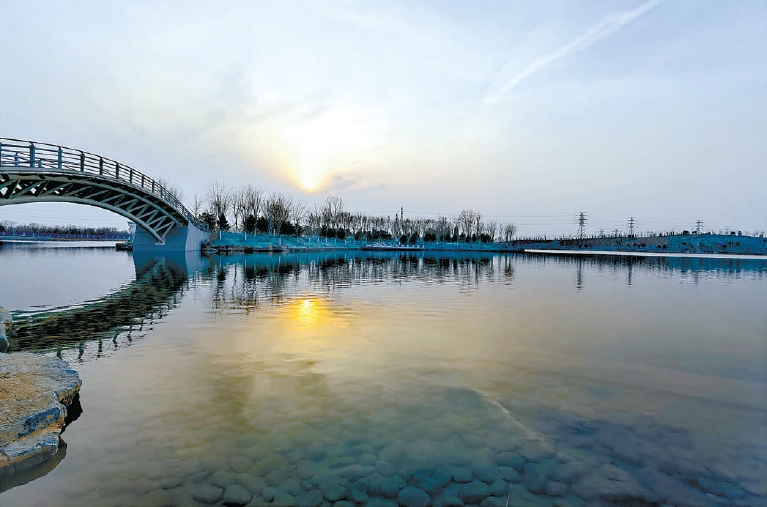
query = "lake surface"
{"x": 378, "y": 379}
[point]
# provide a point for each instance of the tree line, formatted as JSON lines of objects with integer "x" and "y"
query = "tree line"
{"x": 10, "y": 226}
{"x": 251, "y": 210}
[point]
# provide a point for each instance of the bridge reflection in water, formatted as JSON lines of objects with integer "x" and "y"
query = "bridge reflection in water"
{"x": 248, "y": 282}
{"x": 116, "y": 319}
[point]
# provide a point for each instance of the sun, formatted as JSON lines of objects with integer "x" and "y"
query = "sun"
{"x": 310, "y": 181}
{"x": 321, "y": 145}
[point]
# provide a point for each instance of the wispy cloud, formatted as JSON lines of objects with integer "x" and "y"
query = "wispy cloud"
{"x": 594, "y": 34}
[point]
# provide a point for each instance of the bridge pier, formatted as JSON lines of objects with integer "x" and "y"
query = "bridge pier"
{"x": 186, "y": 238}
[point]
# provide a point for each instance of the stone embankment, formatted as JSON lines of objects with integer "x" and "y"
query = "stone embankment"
{"x": 34, "y": 394}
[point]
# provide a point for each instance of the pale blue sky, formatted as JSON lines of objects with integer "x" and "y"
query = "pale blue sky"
{"x": 526, "y": 111}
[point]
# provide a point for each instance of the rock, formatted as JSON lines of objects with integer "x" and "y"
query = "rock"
{"x": 250, "y": 482}
{"x": 311, "y": 498}
{"x": 493, "y": 501}
{"x": 499, "y": 488}
{"x": 291, "y": 486}
{"x": 333, "y": 491}
{"x": 207, "y": 493}
{"x": 35, "y": 391}
{"x": 391, "y": 486}
{"x": 6, "y": 321}
{"x": 276, "y": 477}
{"x": 307, "y": 469}
{"x": 594, "y": 486}
{"x": 431, "y": 485}
{"x": 385, "y": 468}
{"x": 568, "y": 472}
{"x": 270, "y": 493}
{"x": 509, "y": 474}
{"x": 283, "y": 500}
{"x": 222, "y": 479}
{"x": 614, "y": 473}
{"x": 234, "y": 494}
{"x": 240, "y": 463}
{"x": 361, "y": 485}
{"x": 556, "y": 488}
{"x": 268, "y": 464}
{"x": 474, "y": 492}
{"x": 462, "y": 475}
{"x": 510, "y": 459}
{"x": 487, "y": 473}
{"x": 413, "y": 497}
{"x": 535, "y": 478}
{"x": 534, "y": 453}
{"x": 358, "y": 496}
{"x": 381, "y": 502}
{"x": 356, "y": 471}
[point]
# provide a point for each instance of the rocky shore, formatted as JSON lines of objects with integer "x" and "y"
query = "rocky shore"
{"x": 35, "y": 392}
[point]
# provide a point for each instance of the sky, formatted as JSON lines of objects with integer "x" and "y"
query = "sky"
{"x": 528, "y": 112}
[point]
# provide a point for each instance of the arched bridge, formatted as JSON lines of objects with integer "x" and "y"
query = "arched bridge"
{"x": 41, "y": 172}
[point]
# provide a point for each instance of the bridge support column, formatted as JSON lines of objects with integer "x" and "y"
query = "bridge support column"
{"x": 180, "y": 239}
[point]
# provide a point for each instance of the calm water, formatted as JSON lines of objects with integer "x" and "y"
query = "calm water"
{"x": 310, "y": 379}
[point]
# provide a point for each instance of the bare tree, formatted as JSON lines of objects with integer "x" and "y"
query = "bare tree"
{"x": 466, "y": 220}
{"x": 197, "y": 203}
{"x": 219, "y": 203}
{"x": 490, "y": 228}
{"x": 173, "y": 190}
{"x": 509, "y": 231}
{"x": 297, "y": 212}
{"x": 239, "y": 206}
{"x": 331, "y": 211}
{"x": 254, "y": 199}
{"x": 278, "y": 210}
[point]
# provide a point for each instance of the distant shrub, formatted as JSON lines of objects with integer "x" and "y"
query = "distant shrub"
{"x": 287, "y": 228}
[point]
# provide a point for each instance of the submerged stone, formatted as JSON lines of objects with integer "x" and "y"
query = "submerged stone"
{"x": 474, "y": 492}
{"x": 235, "y": 494}
{"x": 207, "y": 493}
{"x": 413, "y": 497}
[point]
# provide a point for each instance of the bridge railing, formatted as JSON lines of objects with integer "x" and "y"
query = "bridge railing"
{"x": 36, "y": 156}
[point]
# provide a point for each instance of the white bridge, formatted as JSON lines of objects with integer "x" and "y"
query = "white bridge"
{"x": 41, "y": 172}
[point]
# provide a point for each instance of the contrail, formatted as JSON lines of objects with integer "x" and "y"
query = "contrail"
{"x": 607, "y": 26}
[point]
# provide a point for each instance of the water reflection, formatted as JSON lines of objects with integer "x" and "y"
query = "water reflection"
{"x": 477, "y": 379}
{"x": 692, "y": 269}
{"x": 82, "y": 330}
{"x": 247, "y": 281}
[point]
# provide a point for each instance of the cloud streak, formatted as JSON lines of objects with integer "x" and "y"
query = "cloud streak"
{"x": 594, "y": 34}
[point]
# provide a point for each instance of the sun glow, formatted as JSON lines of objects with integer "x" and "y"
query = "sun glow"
{"x": 310, "y": 180}
{"x": 329, "y": 143}
{"x": 309, "y": 312}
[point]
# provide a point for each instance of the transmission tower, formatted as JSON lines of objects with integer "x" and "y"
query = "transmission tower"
{"x": 632, "y": 221}
{"x": 582, "y": 221}
{"x": 698, "y": 226}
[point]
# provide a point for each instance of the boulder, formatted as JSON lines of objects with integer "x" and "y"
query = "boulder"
{"x": 6, "y": 321}
{"x": 36, "y": 391}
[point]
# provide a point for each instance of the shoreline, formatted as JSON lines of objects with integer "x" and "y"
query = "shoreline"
{"x": 681, "y": 245}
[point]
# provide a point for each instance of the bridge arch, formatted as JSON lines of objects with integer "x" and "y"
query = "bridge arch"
{"x": 41, "y": 172}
